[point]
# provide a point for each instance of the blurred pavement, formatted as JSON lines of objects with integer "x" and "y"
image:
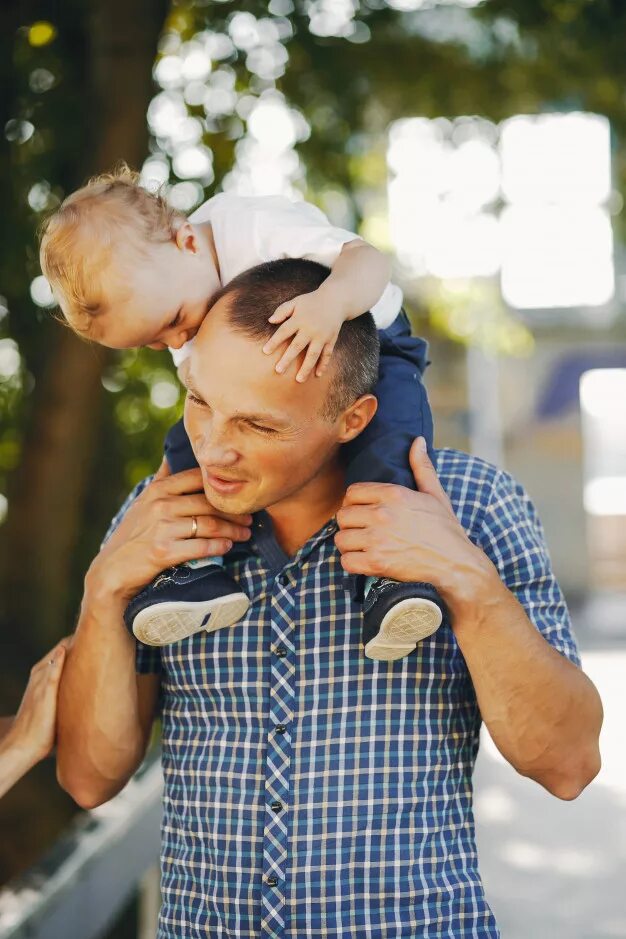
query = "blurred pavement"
{"x": 552, "y": 869}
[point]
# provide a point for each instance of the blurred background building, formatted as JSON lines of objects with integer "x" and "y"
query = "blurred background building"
{"x": 482, "y": 144}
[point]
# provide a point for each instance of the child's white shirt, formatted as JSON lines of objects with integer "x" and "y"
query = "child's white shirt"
{"x": 249, "y": 230}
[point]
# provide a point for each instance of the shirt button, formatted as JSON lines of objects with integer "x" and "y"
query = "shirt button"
{"x": 282, "y": 580}
{"x": 281, "y": 652}
{"x": 271, "y": 882}
{"x": 276, "y": 806}
{"x": 280, "y": 728}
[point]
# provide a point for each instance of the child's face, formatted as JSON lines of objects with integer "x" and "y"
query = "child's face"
{"x": 158, "y": 300}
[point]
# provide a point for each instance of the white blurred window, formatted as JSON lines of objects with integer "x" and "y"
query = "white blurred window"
{"x": 528, "y": 200}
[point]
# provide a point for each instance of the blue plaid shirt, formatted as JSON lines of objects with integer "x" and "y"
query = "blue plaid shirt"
{"x": 313, "y": 792}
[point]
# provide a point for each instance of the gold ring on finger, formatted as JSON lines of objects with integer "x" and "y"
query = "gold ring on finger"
{"x": 194, "y": 526}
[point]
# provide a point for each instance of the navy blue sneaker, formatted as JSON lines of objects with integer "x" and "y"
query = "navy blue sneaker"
{"x": 182, "y": 601}
{"x": 396, "y": 616}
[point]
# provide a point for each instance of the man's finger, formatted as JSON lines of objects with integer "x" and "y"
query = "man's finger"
{"x": 355, "y": 516}
{"x": 196, "y": 504}
{"x": 353, "y": 539}
{"x": 356, "y": 562}
{"x": 209, "y": 526}
{"x": 195, "y": 548}
{"x": 367, "y": 493}
{"x": 425, "y": 474}
{"x": 187, "y": 481}
{"x": 163, "y": 470}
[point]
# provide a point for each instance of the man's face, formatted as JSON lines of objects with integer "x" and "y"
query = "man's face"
{"x": 258, "y": 437}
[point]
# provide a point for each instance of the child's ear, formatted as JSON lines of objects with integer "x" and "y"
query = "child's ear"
{"x": 186, "y": 238}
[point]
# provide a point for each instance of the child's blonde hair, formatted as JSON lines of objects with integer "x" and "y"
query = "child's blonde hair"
{"x": 76, "y": 242}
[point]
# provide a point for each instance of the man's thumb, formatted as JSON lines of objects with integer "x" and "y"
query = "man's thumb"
{"x": 423, "y": 470}
{"x": 163, "y": 470}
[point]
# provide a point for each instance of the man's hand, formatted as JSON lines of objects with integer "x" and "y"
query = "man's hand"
{"x": 156, "y": 533}
{"x": 390, "y": 531}
{"x": 312, "y": 323}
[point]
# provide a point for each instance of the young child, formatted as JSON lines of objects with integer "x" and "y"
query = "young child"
{"x": 129, "y": 270}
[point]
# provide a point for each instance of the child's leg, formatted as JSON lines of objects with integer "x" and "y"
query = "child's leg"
{"x": 185, "y": 599}
{"x": 178, "y": 450}
{"x": 396, "y": 615}
{"x": 381, "y": 452}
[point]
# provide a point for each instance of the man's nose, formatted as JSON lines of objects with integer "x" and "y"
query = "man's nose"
{"x": 214, "y": 449}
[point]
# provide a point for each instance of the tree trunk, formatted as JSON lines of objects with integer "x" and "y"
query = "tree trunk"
{"x": 48, "y": 489}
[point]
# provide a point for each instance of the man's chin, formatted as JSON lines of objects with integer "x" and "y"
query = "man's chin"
{"x": 239, "y": 503}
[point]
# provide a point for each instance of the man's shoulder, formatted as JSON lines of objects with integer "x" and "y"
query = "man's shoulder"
{"x": 473, "y": 485}
{"x": 464, "y": 476}
{"x": 452, "y": 464}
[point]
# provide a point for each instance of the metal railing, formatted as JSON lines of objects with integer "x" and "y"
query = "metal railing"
{"x": 77, "y": 890}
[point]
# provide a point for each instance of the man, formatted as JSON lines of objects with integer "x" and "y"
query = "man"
{"x": 311, "y": 791}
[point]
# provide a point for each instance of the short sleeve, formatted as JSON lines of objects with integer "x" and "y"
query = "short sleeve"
{"x": 147, "y": 658}
{"x": 512, "y": 536}
{"x": 285, "y": 229}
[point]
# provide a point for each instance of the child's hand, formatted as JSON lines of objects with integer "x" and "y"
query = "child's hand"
{"x": 33, "y": 729}
{"x": 311, "y": 322}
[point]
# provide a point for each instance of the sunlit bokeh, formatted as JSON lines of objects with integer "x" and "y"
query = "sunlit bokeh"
{"x": 556, "y": 231}
{"x": 267, "y": 163}
{"x": 41, "y": 293}
{"x": 195, "y": 74}
{"x": 526, "y": 200}
{"x": 10, "y": 359}
{"x": 602, "y": 397}
{"x": 41, "y": 33}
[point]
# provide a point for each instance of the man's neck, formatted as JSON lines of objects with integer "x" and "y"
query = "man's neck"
{"x": 298, "y": 517}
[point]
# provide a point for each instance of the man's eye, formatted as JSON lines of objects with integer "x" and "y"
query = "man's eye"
{"x": 263, "y": 430}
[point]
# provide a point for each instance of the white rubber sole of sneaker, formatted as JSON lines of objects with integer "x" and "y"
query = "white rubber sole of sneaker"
{"x": 406, "y": 624}
{"x": 164, "y": 623}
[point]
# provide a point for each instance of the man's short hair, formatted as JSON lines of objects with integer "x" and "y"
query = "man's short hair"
{"x": 256, "y": 293}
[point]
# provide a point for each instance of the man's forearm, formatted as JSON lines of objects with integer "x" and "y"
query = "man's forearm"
{"x": 100, "y": 740}
{"x": 542, "y": 712}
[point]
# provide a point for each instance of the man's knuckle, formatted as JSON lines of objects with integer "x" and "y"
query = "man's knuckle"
{"x": 161, "y": 508}
{"x": 160, "y": 549}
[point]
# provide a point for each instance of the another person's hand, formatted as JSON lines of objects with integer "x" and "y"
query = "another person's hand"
{"x": 169, "y": 523}
{"x": 312, "y": 323}
{"x": 391, "y": 531}
{"x": 31, "y": 733}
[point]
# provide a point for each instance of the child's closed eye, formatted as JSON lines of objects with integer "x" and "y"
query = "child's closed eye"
{"x": 175, "y": 321}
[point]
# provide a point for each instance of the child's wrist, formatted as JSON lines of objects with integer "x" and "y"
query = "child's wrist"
{"x": 23, "y": 752}
{"x": 334, "y": 301}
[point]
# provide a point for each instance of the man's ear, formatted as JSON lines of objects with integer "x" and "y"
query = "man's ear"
{"x": 186, "y": 238}
{"x": 355, "y": 419}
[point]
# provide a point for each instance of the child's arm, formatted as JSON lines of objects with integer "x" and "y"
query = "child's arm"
{"x": 29, "y": 736}
{"x": 356, "y": 282}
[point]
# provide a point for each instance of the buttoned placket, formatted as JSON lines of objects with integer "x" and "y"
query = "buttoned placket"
{"x": 280, "y": 723}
